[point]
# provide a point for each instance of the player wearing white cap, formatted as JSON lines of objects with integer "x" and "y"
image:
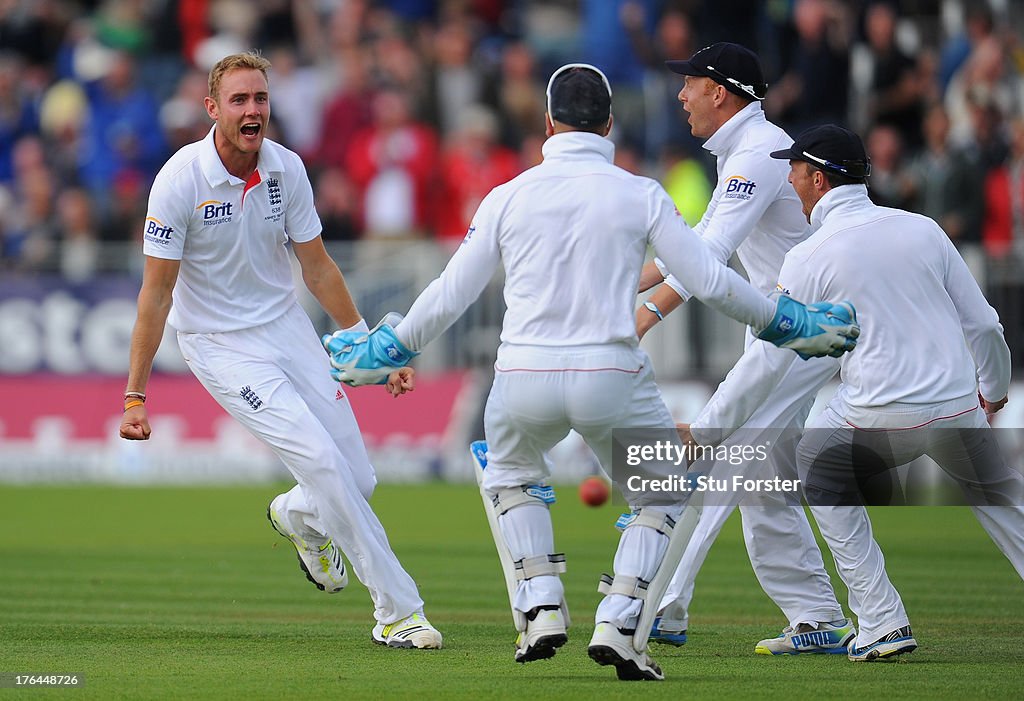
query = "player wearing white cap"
{"x": 572, "y": 234}
{"x": 932, "y": 363}
{"x": 755, "y": 214}
{"x": 222, "y": 213}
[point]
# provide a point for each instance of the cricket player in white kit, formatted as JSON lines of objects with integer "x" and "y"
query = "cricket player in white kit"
{"x": 222, "y": 212}
{"x": 755, "y": 214}
{"x": 572, "y": 234}
{"x": 932, "y": 362}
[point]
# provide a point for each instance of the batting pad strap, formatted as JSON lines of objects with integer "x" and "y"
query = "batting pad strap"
{"x": 509, "y": 498}
{"x": 633, "y": 587}
{"x": 658, "y": 520}
{"x": 540, "y": 565}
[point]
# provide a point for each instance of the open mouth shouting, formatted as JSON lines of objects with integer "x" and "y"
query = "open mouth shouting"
{"x": 251, "y": 130}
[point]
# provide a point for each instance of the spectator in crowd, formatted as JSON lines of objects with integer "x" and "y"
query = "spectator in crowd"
{"x": 977, "y": 26}
{"x": 348, "y": 110}
{"x": 890, "y": 184}
{"x": 456, "y": 82}
{"x": 299, "y": 101}
{"x": 79, "y": 253}
{"x": 814, "y": 87}
{"x": 946, "y": 181}
{"x": 519, "y": 99}
{"x": 982, "y": 82}
{"x": 895, "y": 89}
{"x": 1004, "y": 200}
{"x": 393, "y": 164}
{"x": 18, "y": 115}
{"x": 1004, "y": 238}
{"x": 31, "y": 238}
{"x": 664, "y": 123}
{"x": 182, "y": 117}
{"x": 120, "y": 133}
{"x": 337, "y": 205}
{"x": 473, "y": 163}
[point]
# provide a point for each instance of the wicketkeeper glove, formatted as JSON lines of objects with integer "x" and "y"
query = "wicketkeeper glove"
{"x": 361, "y": 358}
{"x": 812, "y": 330}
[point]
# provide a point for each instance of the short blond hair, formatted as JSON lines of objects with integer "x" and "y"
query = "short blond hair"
{"x": 248, "y": 60}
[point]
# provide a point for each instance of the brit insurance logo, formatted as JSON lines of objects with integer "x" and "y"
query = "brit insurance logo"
{"x": 215, "y": 212}
{"x": 739, "y": 188}
{"x": 156, "y": 232}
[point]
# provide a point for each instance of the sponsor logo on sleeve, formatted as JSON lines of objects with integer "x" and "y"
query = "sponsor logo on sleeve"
{"x": 469, "y": 234}
{"x": 738, "y": 188}
{"x": 780, "y": 288}
{"x": 156, "y": 232}
{"x": 215, "y": 212}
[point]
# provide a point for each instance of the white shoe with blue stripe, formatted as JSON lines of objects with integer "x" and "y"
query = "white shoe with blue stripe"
{"x": 831, "y": 638}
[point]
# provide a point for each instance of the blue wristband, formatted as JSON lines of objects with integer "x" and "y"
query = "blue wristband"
{"x": 654, "y": 308}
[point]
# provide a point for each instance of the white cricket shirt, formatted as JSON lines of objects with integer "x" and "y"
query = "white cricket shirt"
{"x": 235, "y": 270}
{"x": 754, "y": 211}
{"x": 928, "y": 335}
{"x": 572, "y": 234}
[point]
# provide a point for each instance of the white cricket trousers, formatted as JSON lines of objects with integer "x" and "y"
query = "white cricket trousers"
{"x": 275, "y": 380}
{"x": 780, "y": 543}
{"x": 941, "y": 435}
{"x": 538, "y": 395}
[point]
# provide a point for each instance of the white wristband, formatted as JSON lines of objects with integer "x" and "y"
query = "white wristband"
{"x": 358, "y": 326}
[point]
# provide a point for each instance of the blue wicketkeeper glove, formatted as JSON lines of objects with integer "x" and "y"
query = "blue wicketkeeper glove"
{"x": 361, "y": 358}
{"x": 812, "y": 330}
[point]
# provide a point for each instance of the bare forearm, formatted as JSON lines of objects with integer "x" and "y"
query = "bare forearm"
{"x": 666, "y": 300}
{"x": 146, "y": 336}
{"x": 328, "y": 286}
{"x": 649, "y": 277}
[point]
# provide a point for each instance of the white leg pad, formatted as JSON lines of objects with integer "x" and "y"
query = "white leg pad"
{"x": 543, "y": 569}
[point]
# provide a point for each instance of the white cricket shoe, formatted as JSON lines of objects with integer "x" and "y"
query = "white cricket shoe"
{"x": 609, "y": 645}
{"x": 897, "y": 642}
{"x": 544, "y": 634}
{"x": 829, "y": 638}
{"x": 414, "y": 631}
{"x": 321, "y": 561}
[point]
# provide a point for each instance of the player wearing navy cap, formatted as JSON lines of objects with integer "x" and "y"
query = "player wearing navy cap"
{"x": 755, "y": 214}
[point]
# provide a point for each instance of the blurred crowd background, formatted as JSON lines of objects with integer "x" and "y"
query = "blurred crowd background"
{"x": 407, "y": 112}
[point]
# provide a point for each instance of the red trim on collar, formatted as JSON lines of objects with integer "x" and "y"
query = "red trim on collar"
{"x": 252, "y": 182}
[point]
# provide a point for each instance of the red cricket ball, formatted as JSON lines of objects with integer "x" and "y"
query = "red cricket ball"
{"x": 594, "y": 491}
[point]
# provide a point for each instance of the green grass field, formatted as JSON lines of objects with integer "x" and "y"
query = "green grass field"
{"x": 188, "y": 593}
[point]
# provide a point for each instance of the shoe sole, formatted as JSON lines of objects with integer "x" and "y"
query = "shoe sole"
{"x": 882, "y": 652}
{"x": 302, "y": 563}
{"x": 626, "y": 670}
{"x": 545, "y": 648}
{"x": 823, "y": 651}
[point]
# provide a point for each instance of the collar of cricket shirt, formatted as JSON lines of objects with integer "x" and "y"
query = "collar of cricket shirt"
{"x": 839, "y": 198}
{"x": 722, "y": 141}
{"x": 578, "y": 144}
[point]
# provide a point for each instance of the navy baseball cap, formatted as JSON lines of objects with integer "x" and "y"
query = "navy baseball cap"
{"x": 579, "y": 95}
{"x": 832, "y": 148}
{"x": 732, "y": 66}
